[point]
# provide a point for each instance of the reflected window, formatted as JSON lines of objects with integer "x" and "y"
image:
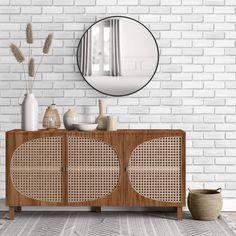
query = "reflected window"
{"x": 100, "y": 49}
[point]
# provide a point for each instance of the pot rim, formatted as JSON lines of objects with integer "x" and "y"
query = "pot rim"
{"x": 205, "y": 191}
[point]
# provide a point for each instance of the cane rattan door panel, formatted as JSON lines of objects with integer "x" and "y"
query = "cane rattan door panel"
{"x": 93, "y": 169}
{"x": 36, "y": 169}
{"x": 154, "y": 169}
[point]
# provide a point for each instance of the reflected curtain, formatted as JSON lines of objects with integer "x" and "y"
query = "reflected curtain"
{"x": 115, "y": 64}
{"x": 86, "y": 54}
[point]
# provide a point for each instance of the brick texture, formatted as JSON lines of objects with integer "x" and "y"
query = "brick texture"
{"x": 194, "y": 88}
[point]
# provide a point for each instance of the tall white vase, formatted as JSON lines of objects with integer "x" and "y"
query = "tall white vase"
{"x": 29, "y": 113}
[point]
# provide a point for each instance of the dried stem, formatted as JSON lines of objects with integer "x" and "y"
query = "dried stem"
{"x": 41, "y": 59}
{"x": 29, "y": 80}
{"x": 29, "y": 58}
{"x": 26, "y": 84}
{"x": 31, "y": 72}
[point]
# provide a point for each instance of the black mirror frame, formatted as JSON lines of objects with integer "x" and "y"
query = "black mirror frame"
{"x": 157, "y": 63}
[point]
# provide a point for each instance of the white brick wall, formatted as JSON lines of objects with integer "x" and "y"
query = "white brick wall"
{"x": 194, "y": 88}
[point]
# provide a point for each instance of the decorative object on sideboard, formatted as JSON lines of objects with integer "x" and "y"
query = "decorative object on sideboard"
{"x": 29, "y": 113}
{"x": 70, "y": 118}
{"x": 101, "y": 120}
{"x": 205, "y": 204}
{"x": 111, "y": 123}
{"x": 117, "y": 56}
{"x": 29, "y": 106}
{"x": 51, "y": 119}
{"x": 86, "y": 126}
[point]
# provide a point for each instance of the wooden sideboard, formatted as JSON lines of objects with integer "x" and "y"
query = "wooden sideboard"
{"x": 98, "y": 168}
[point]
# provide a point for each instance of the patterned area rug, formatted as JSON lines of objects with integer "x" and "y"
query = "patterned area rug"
{"x": 110, "y": 224}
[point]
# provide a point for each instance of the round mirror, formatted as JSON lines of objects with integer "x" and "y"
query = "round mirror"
{"x": 117, "y": 56}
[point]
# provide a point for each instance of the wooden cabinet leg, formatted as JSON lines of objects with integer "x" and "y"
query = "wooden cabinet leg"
{"x": 12, "y": 213}
{"x": 96, "y": 209}
{"x": 18, "y": 209}
{"x": 179, "y": 213}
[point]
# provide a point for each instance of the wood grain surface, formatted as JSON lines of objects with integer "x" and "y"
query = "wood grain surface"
{"x": 122, "y": 141}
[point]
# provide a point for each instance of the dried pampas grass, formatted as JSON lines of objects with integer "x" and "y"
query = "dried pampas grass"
{"x": 31, "y": 68}
{"x": 29, "y": 34}
{"x": 17, "y": 53}
{"x": 47, "y": 44}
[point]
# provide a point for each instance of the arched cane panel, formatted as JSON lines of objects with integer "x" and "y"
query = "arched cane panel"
{"x": 93, "y": 169}
{"x": 155, "y": 169}
{"x": 36, "y": 169}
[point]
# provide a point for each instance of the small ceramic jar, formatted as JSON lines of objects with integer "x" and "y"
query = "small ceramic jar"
{"x": 70, "y": 118}
{"x": 111, "y": 123}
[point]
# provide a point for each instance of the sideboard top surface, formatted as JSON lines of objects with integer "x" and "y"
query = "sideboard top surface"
{"x": 120, "y": 131}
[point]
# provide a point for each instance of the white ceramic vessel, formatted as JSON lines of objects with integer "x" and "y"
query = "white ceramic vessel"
{"x": 29, "y": 113}
{"x": 70, "y": 118}
{"x": 111, "y": 123}
{"x": 86, "y": 126}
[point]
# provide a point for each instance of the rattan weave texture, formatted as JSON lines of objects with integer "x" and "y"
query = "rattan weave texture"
{"x": 155, "y": 169}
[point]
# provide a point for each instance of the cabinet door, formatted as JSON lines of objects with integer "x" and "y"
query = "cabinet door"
{"x": 93, "y": 169}
{"x": 35, "y": 169}
{"x": 154, "y": 166}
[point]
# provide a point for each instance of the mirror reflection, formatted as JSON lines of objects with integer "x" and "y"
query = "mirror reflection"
{"x": 117, "y": 56}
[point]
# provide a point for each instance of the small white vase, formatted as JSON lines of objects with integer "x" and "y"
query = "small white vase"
{"x": 29, "y": 113}
{"x": 70, "y": 118}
